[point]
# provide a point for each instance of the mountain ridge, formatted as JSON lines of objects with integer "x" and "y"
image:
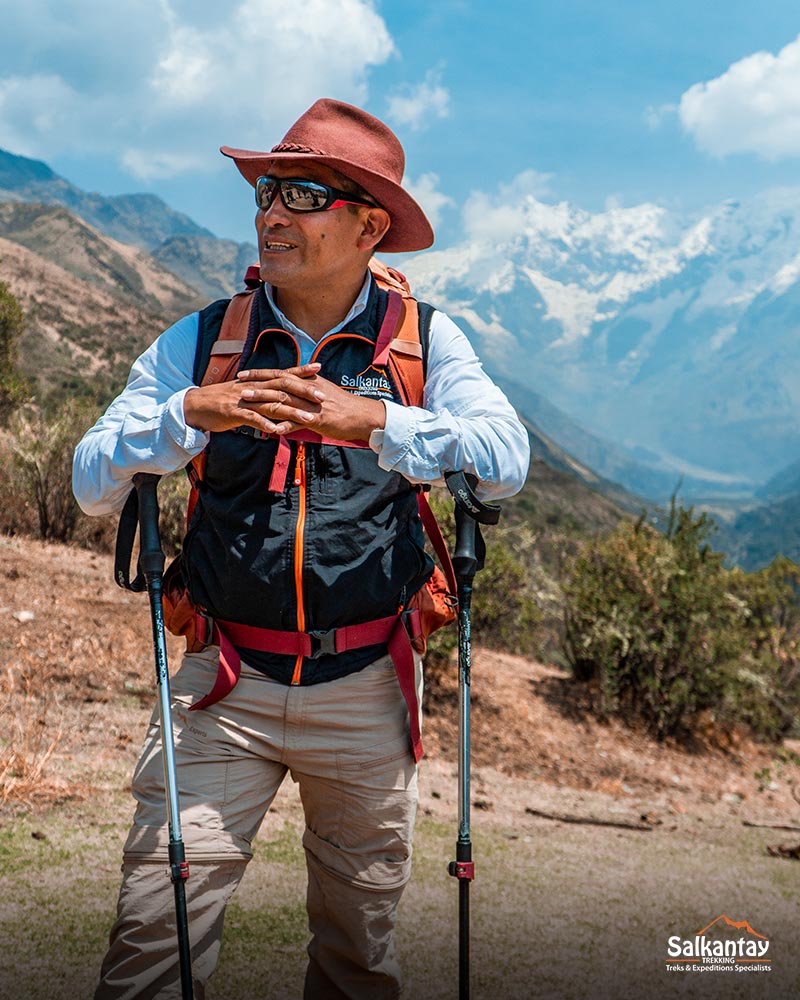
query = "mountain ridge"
{"x": 141, "y": 219}
{"x": 65, "y": 346}
{"x": 553, "y": 307}
{"x": 674, "y": 336}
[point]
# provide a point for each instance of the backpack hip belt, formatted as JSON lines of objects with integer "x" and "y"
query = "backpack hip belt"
{"x": 398, "y": 632}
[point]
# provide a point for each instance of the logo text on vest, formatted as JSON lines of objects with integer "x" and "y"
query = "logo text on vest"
{"x": 371, "y": 382}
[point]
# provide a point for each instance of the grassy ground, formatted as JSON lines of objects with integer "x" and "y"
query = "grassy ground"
{"x": 558, "y": 911}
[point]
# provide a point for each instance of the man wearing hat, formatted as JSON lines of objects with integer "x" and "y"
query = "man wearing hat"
{"x": 306, "y": 527}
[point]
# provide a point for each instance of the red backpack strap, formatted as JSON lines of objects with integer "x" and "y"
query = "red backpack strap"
{"x": 436, "y": 537}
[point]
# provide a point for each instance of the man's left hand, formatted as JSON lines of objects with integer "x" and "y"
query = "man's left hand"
{"x": 340, "y": 415}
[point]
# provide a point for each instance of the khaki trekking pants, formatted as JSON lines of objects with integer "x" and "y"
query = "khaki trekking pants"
{"x": 346, "y": 742}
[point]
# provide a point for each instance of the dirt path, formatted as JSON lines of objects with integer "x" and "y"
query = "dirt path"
{"x": 560, "y": 910}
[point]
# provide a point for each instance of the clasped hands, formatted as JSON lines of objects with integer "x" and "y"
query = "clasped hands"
{"x": 282, "y": 400}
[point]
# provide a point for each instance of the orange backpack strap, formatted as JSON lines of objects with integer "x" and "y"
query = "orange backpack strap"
{"x": 227, "y": 349}
{"x": 223, "y": 361}
{"x": 399, "y": 346}
{"x": 389, "y": 277}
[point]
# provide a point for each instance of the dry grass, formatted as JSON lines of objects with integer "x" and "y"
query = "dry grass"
{"x": 560, "y": 910}
{"x": 24, "y": 760}
{"x": 31, "y": 734}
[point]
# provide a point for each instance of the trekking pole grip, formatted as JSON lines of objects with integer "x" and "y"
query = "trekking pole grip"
{"x": 151, "y": 555}
{"x": 465, "y": 558}
{"x": 470, "y": 549}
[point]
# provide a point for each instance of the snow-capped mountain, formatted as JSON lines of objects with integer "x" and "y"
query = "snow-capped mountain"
{"x": 677, "y": 338}
{"x": 652, "y": 346}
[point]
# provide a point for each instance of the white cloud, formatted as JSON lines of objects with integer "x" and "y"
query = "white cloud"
{"x": 420, "y": 105}
{"x": 432, "y": 201}
{"x": 753, "y": 107}
{"x": 272, "y": 55}
{"x": 31, "y": 108}
{"x": 159, "y": 85}
{"x": 147, "y": 165}
{"x": 502, "y": 216}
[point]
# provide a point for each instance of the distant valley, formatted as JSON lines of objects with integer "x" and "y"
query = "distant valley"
{"x": 646, "y": 358}
{"x": 676, "y": 340}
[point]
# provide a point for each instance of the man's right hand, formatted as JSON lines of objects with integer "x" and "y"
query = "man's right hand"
{"x": 221, "y": 407}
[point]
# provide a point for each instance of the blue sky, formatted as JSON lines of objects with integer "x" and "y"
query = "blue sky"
{"x": 679, "y": 103}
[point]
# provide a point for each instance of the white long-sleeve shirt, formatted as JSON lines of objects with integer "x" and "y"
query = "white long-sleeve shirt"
{"x": 465, "y": 422}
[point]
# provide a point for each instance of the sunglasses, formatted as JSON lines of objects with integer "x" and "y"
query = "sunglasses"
{"x": 304, "y": 196}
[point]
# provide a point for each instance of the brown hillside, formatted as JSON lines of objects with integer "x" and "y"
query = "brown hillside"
{"x": 77, "y": 675}
{"x": 121, "y": 270}
{"x": 75, "y": 328}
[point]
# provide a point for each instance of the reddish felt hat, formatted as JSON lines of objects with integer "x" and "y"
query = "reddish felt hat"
{"x": 362, "y": 148}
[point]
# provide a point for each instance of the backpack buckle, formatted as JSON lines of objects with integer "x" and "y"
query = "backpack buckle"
{"x": 323, "y": 643}
{"x": 411, "y": 623}
{"x": 204, "y": 625}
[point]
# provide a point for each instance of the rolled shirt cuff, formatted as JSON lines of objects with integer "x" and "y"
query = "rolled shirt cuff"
{"x": 190, "y": 439}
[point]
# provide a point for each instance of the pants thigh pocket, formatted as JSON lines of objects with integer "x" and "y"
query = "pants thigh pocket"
{"x": 380, "y": 794}
{"x": 374, "y": 758}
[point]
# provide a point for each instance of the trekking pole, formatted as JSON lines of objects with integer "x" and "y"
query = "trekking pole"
{"x": 468, "y": 559}
{"x": 142, "y": 505}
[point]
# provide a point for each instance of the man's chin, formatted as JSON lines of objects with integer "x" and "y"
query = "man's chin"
{"x": 274, "y": 274}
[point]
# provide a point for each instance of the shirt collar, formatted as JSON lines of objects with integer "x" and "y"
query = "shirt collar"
{"x": 356, "y": 309}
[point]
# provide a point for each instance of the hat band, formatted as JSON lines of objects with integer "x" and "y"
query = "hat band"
{"x": 295, "y": 147}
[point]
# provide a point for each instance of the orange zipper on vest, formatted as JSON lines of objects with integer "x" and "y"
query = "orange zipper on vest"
{"x": 300, "y": 482}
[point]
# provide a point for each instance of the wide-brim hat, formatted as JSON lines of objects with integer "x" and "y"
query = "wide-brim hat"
{"x": 359, "y": 146}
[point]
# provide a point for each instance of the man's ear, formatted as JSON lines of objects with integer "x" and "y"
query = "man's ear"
{"x": 374, "y": 226}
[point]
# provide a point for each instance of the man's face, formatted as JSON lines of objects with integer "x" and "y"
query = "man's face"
{"x": 303, "y": 250}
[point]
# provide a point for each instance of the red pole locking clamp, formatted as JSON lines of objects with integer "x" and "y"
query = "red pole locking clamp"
{"x": 462, "y": 869}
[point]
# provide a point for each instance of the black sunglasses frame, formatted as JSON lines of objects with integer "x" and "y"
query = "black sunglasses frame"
{"x": 334, "y": 198}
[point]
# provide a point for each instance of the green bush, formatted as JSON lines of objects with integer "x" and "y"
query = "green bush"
{"x": 173, "y": 496}
{"x": 661, "y": 631}
{"x": 651, "y": 625}
{"x": 765, "y": 693}
{"x": 36, "y": 480}
{"x": 14, "y": 389}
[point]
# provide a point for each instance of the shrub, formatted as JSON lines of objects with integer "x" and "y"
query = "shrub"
{"x": 651, "y": 624}
{"x": 765, "y": 692}
{"x": 173, "y": 496}
{"x": 36, "y": 480}
{"x": 13, "y": 387}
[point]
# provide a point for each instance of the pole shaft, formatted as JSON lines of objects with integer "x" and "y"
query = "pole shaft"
{"x": 464, "y": 682}
{"x": 151, "y": 563}
{"x": 468, "y": 558}
{"x": 177, "y": 854}
{"x": 464, "y": 843}
{"x": 463, "y": 938}
{"x": 165, "y": 709}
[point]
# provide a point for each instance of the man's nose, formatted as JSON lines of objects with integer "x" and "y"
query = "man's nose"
{"x": 276, "y": 213}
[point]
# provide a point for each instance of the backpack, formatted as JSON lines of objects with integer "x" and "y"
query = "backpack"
{"x": 399, "y": 347}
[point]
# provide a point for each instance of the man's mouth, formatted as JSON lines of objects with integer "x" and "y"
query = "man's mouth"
{"x": 273, "y": 246}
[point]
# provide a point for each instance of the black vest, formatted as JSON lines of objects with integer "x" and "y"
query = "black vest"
{"x": 342, "y": 544}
